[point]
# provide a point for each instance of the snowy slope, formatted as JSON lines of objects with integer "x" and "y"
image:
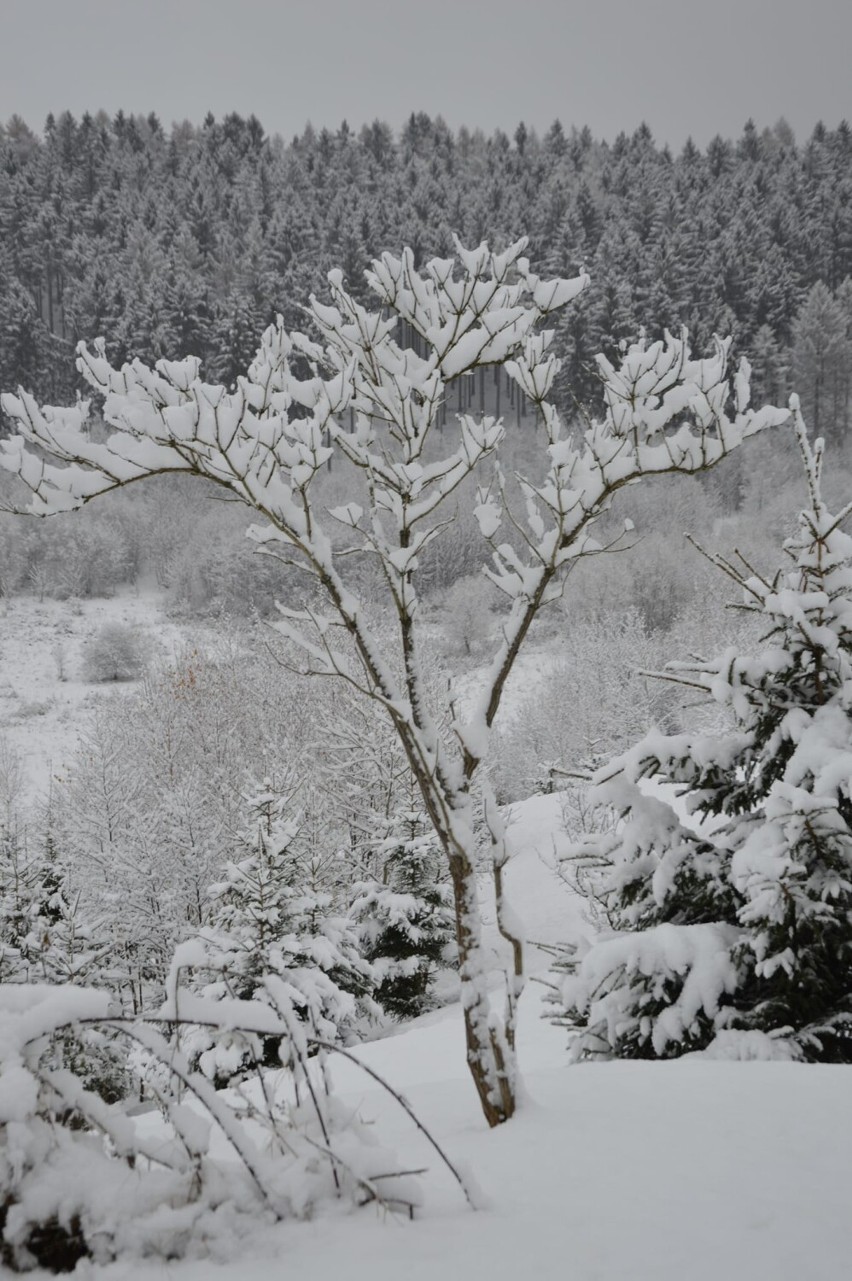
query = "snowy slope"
{"x": 539, "y": 897}
{"x": 684, "y": 1170}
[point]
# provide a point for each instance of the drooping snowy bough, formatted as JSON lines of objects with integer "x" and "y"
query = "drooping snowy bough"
{"x": 268, "y": 440}
{"x": 80, "y": 1179}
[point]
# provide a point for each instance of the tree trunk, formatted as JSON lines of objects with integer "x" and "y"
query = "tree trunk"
{"x": 490, "y": 1056}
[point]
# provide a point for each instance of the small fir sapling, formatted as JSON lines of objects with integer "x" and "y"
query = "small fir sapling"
{"x": 405, "y": 919}
{"x": 32, "y": 906}
{"x": 270, "y": 920}
{"x": 44, "y": 940}
{"x": 731, "y": 889}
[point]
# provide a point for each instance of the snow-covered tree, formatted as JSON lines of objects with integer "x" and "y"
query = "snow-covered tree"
{"x": 45, "y": 936}
{"x": 822, "y": 351}
{"x": 590, "y": 703}
{"x": 147, "y": 807}
{"x": 730, "y": 889}
{"x": 271, "y": 920}
{"x": 270, "y": 439}
{"x": 20, "y": 907}
{"x": 31, "y": 897}
{"x": 115, "y": 653}
{"x": 405, "y": 917}
{"x": 106, "y": 825}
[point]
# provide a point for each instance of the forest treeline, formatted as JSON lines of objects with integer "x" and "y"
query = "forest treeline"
{"x": 190, "y": 240}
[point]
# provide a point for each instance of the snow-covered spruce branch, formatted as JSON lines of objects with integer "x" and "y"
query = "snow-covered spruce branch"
{"x": 267, "y": 441}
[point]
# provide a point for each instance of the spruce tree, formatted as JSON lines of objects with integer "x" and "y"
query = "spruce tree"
{"x": 406, "y": 917}
{"x": 19, "y": 905}
{"x": 730, "y": 891}
{"x": 271, "y": 920}
{"x": 821, "y": 356}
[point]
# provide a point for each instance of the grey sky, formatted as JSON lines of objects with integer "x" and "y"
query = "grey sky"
{"x": 685, "y": 67}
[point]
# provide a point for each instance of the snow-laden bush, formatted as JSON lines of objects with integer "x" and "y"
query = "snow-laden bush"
{"x": 115, "y": 653}
{"x": 86, "y": 558}
{"x": 469, "y": 620}
{"x": 731, "y": 889}
{"x": 591, "y": 701}
{"x": 81, "y": 1179}
{"x": 147, "y": 808}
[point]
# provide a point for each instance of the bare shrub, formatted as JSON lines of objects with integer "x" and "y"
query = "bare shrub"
{"x": 469, "y": 618}
{"x": 115, "y": 653}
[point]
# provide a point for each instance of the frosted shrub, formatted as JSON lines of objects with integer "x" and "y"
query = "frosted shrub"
{"x": 115, "y": 653}
{"x": 80, "y": 1179}
{"x": 80, "y": 559}
{"x": 87, "y": 562}
{"x": 204, "y": 574}
{"x": 446, "y": 561}
{"x": 664, "y": 576}
{"x": 469, "y": 618}
{"x": 592, "y": 700}
{"x": 732, "y": 904}
{"x": 13, "y": 562}
{"x": 151, "y": 808}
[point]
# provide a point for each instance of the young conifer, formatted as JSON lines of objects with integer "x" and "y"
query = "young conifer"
{"x": 271, "y": 920}
{"x": 406, "y": 918}
{"x": 732, "y": 905}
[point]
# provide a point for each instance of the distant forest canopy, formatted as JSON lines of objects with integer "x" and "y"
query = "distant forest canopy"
{"x": 191, "y": 240}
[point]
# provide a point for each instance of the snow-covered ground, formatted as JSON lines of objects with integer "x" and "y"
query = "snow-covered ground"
{"x": 42, "y": 693}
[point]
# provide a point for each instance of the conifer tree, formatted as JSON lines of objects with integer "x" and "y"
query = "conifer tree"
{"x": 406, "y": 917}
{"x": 821, "y": 356}
{"x": 43, "y": 936}
{"x": 271, "y": 920}
{"x": 19, "y": 906}
{"x": 732, "y": 904}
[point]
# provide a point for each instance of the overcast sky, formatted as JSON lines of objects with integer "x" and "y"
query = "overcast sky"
{"x": 683, "y": 66}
